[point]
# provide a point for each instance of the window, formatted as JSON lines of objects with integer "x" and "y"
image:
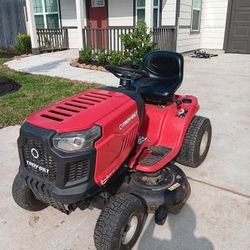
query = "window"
{"x": 156, "y": 13}
{"x": 195, "y": 25}
{"x": 46, "y": 14}
{"x": 140, "y": 10}
{"x": 98, "y": 3}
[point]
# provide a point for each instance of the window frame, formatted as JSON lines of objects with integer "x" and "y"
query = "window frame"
{"x": 192, "y": 31}
{"x": 139, "y": 8}
{"x": 45, "y": 13}
{"x": 99, "y": 6}
{"x": 158, "y": 14}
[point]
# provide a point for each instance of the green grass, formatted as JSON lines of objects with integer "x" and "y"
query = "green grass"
{"x": 4, "y": 60}
{"x": 36, "y": 92}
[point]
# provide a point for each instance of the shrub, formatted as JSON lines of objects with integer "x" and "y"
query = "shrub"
{"x": 101, "y": 57}
{"x": 116, "y": 58}
{"x": 2, "y": 52}
{"x": 137, "y": 44}
{"x": 85, "y": 55}
{"x": 23, "y": 44}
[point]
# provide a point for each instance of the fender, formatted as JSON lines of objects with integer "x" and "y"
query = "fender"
{"x": 164, "y": 127}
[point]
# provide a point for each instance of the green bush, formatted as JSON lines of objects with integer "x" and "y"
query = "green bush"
{"x": 101, "y": 57}
{"x": 2, "y": 52}
{"x": 116, "y": 58}
{"x": 137, "y": 44}
{"x": 86, "y": 55}
{"x": 23, "y": 44}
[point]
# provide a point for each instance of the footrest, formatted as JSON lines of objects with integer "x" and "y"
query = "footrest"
{"x": 153, "y": 154}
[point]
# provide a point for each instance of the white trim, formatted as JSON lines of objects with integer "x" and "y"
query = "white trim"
{"x": 149, "y": 13}
{"x": 32, "y": 24}
{"x": 80, "y": 16}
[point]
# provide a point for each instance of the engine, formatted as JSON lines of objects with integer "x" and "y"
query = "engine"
{"x": 69, "y": 150}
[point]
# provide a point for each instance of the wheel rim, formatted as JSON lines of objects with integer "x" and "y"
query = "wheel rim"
{"x": 204, "y": 141}
{"x": 129, "y": 230}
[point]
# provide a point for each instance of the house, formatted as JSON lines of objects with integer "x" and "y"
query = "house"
{"x": 181, "y": 25}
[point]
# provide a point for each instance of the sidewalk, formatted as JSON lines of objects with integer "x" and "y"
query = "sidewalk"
{"x": 57, "y": 64}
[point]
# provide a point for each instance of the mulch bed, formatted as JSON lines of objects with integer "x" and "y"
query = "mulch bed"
{"x": 8, "y": 86}
{"x": 76, "y": 63}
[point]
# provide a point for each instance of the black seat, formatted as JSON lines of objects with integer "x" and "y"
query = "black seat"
{"x": 165, "y": 70}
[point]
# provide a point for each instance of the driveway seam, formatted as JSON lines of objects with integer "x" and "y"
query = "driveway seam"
{"x": 221, "y": 188}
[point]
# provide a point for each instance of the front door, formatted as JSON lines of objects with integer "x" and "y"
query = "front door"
{"x": 97, "y": 11}
{"x": 239, "y": 28}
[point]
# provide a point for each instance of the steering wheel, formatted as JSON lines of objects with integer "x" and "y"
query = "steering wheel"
{"x": 126, "y": 74}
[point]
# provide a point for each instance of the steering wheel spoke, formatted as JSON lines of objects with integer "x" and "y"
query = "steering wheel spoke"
{"x": 126, "y": 73}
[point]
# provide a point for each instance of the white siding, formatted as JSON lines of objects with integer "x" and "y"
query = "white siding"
{"x": 213, "y": 22}
{"x": 121, "y": 12}
{"x": 186, "y": 41}
{"x": 168, "y": 12}
{"x": 68, "y": 13}
{"x": 73, "y": 38}
{"x": 68, "y": 16}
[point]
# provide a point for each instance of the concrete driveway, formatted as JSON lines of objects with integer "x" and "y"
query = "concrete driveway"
{"x": 217, "y": 215}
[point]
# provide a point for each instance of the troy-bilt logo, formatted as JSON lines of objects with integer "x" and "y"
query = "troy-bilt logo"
{"x": 36, "y": 166}
{"x": 107, "y": 177}
{"x": 127, "y": 121}
{"x": 34, "y": 153}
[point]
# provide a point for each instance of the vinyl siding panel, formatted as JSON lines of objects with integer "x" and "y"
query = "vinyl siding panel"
{"x": 185, "y": 40}
{"x": 121, "y": 12}
{"x": 213, "y": 22}
{"x": 168, "y": 12}
{"x": 68, "y": 13}
{"x": 73, "y": 38}
{"x": 68, "y": 17}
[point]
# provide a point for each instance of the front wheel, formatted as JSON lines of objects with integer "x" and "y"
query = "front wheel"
{"x": 120, "y": 223}
{"x": 196, "y": 142}
{"x": 24, "y": 197}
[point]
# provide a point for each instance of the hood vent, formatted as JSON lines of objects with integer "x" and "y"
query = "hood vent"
{"x": 74, "y": 105}
{"x": 52, "y": 118}
{"x": 68, "y": 109}
{"x": 101, "y": 94}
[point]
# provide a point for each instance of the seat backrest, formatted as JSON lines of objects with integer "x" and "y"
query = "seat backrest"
{"x": 165, "y": 65}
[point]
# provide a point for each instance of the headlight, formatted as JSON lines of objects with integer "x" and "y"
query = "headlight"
{"x": 77, "y": 141}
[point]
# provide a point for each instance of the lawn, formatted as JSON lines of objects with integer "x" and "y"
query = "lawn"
{"x": 37, "y": 91}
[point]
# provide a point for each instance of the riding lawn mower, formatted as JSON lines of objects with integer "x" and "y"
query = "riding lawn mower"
{"x": 115, "y": 149}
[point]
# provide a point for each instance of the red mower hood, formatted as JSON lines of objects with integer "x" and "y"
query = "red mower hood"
{"x": 79, "y": 112}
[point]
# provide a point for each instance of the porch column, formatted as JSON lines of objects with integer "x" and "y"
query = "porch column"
{"x": 32, "y": 27}
{"x": 149, "y": 13}
{"x": 80, "y": 15}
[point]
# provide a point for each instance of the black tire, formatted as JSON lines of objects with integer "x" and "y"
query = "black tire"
{"x": 113, "y": 221}
{"x": 24, "y": 197}
{"x": 192, "y": 152}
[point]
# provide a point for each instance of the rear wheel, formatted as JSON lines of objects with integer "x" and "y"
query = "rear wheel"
{"x": 120, "y": 223}
{"x": 24, "y": 197}
{"x": 196, "y": 142}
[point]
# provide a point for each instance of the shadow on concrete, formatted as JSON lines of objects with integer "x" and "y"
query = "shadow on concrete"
{"x": 182, "y": 227}
{"x": 46, "y": 67}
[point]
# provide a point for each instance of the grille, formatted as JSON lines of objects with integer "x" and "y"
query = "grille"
{"x": 77, "y": 170}
{"x": 43, "y": 160}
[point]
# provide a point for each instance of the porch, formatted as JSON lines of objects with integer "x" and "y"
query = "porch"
{"x": 81, "y": 24}
{"x": 96, "y": 39}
